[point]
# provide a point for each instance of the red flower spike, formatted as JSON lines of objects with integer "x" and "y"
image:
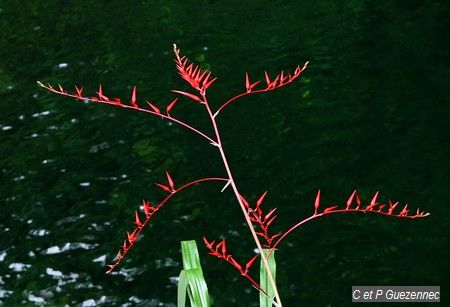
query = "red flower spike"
{"x": 283, "y": 78}
{"x": 273, "y": 83}
{"x": 170, "y": 181}
{"x": 373, "y": 202}
{"x": 268, "y": 215}
{"x": 118, "y": 255}
{"x": 148, "y": 209}
{"x": 244, "y": 201}
{"x": 194, "y": 74}
{"x": 171, "y": 105}
{"x": 189, "y": 95}
{"x": 207, "y": 85}
{"x": 221, "y": 246}
{"x": 154, "y": 108}
{"x": 131, "y": 236}
{"x": 234, "y": 263}
{"x": 197, "y": 78}
{"x": 224, "y": 247}
{"x": 164, "y": 187}
{"x": 261, "y": 199}
{"x": 405, "y": 211}
{"x": 206, "y": 78}
{"x": 350, "y": 200}
{"x": 209, "y": 245}
{"x": 392, "y": 207}
{"x": 259, "y": 211}
{"x": 270, "y": 221}
{"x": 200, "y": 76}
{"x": 329, "y": 209}
{"x": 247, "y": 83}
{"x": 267, "y": 78}
{"x": 133, "y": 98}
{"x": 124, "y": 245}
{"x": 260, "y": 234}
{"x": 100, "y": 94}
{"x": 274, "y": 236}
{"x": 250, "y": 263}
{"x": 358, "y": 201}
{"x": 79, "y": 91}
{"x": 254, "y": 84}
{"x": 290, "y": 77}
{"x": 137, "y": 222}
{"x": 184, "y": 61}
{"x": 189, "y": 69}
{"x": 317, "y": 203}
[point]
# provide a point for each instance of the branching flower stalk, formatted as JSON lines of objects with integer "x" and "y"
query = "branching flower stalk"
{"x": 239, "y": 199}
{"x": 257, "y": 220}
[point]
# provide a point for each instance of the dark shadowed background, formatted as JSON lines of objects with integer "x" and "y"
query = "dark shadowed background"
{"x": 371, "y": 112}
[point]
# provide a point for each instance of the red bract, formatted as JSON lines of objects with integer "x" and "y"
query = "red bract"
{"x": 133, "y": 98}
{"x": 171, "y": 105}
{"x": 257, "y": 220}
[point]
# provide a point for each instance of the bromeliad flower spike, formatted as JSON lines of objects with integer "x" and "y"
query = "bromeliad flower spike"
{"x": 258, "y": 219}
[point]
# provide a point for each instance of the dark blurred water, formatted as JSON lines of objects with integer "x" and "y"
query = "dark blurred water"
{"x": 370, "y": 113}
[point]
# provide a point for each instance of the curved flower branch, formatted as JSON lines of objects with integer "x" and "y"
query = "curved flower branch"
{"x": 391, "y": 209}
{"x": 280, "y": 80}
{"x": 101, "y": 98}
{"x": 149, "y": 211}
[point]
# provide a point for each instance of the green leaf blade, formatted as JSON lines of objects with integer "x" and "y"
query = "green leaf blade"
{"x": 191, "y": 278}
{"x": 265, "y": 281}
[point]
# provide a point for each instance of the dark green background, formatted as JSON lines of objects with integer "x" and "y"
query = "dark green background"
{"x": 371, "y": 113}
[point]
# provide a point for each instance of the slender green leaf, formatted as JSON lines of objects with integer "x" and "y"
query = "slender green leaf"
{"x": 191, "y": 259}
{"x": 191, "y": 279}
{"x": 265, "y": 281}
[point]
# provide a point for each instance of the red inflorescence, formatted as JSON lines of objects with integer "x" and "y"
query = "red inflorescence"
{"x": 200, "y": 80}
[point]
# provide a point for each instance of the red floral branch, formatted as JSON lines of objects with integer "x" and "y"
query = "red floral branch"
{"x": 133, "y": 104}
{"x": 219, "y": 250}
{"x": 149, "y": 211}
{"x": 354, "y": 204}
{"x": 280, "y": 80}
